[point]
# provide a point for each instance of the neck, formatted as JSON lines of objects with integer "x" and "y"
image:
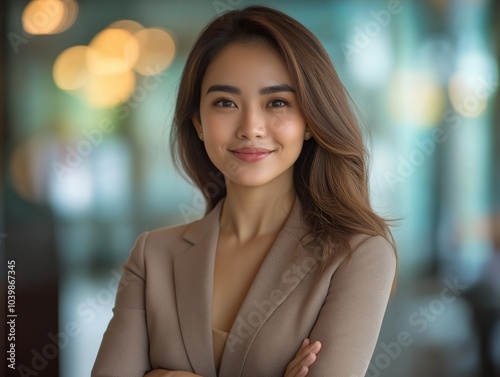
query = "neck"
{"x": 252, "y": 212}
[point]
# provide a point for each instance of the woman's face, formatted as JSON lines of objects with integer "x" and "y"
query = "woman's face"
{"x": 253, "y": 128}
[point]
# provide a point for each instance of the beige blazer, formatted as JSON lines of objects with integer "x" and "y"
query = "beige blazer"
{"x": 162, "y": 314}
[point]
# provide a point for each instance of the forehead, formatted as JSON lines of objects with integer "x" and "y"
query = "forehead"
{"x": 247, "y": 65}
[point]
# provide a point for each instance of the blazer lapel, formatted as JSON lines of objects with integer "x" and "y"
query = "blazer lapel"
{"x": 286, "y": 264}
{"x": 193, "y": 274}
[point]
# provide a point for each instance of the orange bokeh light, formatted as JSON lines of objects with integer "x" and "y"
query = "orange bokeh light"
{"x": 109, "y": 90}
{"x": 156, "y": 51}
{"x": 112, "y": 51}
{"x": 70, "y": 68}
{"x": 49, "y": 16}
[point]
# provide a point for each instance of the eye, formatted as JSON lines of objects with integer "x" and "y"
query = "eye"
{"x": 279, "y": 102}
{"x": 223, "y": 102}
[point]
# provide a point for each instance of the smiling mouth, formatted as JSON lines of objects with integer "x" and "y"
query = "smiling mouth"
{"x": 251, "y": 156}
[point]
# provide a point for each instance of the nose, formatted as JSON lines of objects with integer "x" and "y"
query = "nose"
{"x": 252, "y": 124}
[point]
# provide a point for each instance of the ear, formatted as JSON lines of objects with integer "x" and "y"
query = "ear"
{"x": 307, "y": 134}
{"x": 197, "y": 123}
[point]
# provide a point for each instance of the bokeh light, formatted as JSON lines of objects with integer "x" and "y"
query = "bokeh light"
{"x": 103, "y": 73}
{"x": 128, "y": 25}
{"x": 156, "y": 51}
{"x": 109, "y": 90}
{"x": 49, "y": 16}
{"x": 71, "y": 7}
{"x": 70, "y": 68}
{"x": 27, "y": 170}
{"x": 112, "y": 51}
{"x": 415, "y": 97}
{"x": 467, "y": 95}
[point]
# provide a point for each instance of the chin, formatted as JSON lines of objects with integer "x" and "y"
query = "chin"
{"x": 249, "y": 181}
{"x": 253, "y": 179}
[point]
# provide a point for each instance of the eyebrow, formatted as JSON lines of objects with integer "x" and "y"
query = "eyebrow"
{"x": 267, "y": 90}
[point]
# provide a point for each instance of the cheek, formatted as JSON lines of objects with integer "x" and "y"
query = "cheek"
{"x": 217, "y": 127}
{"x": 289, "y": 131}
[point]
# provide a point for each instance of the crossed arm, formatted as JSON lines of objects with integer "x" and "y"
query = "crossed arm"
{"x": 298, "y": 367}
{"x": 347, "y": 326}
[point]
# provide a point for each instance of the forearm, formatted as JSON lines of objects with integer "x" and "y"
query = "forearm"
{"x": 170, "y": 373}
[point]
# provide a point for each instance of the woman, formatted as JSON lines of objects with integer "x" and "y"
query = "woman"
{"x": 289, "y": 272}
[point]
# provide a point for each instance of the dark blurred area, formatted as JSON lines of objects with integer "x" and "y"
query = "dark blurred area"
{"x": 88, "y": 89}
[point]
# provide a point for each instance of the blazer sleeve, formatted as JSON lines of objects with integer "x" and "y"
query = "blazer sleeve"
{"x": 349, "y": 322}
{"x": 124, "y": 350}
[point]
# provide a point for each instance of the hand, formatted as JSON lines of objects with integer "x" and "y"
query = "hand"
{"x": 304, "y": 358}
{"x": 170, "y": 373}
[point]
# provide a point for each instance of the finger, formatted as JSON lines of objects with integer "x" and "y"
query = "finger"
{"x": 296, "y": 359}
{"x": 302, "y": 372}
{"x": 302, "y": 368}
{"x": 305, "y": 357}
{"x": 304, "y": 351}
{"x": 311, "y": 348}
{"x": 304, "y": 344}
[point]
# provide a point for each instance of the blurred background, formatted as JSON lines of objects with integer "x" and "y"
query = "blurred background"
{"x": 87, "y": 102}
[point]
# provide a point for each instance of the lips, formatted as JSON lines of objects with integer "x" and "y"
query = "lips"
{"x": 251, "y": 154}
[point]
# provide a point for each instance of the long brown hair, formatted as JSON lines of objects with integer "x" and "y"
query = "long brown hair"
{"x": 330, "y": 175}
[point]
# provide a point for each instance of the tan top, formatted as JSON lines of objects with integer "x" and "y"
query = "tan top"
{"x": 219, "y": 341}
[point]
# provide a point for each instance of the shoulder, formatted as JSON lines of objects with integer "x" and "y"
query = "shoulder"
{"x": 176, "y": 234}
{"x": 165, "y": 241}
{"x": 371, "y": 267}
{"x": 370, "y": 256}
{"x": 360, "y": 241}
{"x": 160, "y": 236}
{"x": 373, "y": 253}
{"x": 172, "y": 240}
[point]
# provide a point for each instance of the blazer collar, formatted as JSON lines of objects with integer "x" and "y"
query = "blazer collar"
{"x": 286, "y": 264}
